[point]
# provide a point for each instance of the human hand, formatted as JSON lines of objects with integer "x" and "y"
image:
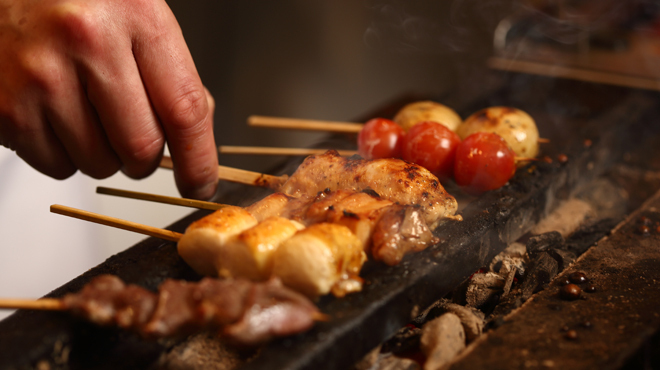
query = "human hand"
{"x": 101, "y": 86}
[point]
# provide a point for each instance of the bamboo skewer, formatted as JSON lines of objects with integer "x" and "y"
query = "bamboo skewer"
{"x": 116, "y": 222}
{"x": 43, "y": 304}
{"x": 193, "y": 203}
{"x": 304, "y": 124}
{"x": 258, "y": 150}
{"x": 240, "y": 176}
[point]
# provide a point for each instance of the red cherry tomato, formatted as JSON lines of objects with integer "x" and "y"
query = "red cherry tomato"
{"x": 380, "y": 138}
{"x": 484, "y": 162}
{"x": 432, "y": 146}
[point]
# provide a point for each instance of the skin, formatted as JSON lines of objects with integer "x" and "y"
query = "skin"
{"x": 101, "y": 86}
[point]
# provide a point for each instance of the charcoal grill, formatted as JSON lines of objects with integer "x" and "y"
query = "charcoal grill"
{"x": 620, "y": 124}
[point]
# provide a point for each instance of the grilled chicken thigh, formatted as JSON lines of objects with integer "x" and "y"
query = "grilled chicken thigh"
{"x": 392, "y": 179}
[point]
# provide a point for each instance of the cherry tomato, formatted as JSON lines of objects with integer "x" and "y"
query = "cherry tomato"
{"x": 484, "y": 162}
{"x": 432, "y": 146}
{"x": 380, "y": 138}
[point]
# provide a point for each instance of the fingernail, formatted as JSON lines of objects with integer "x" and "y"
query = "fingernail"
{"x": 207, "y": 191}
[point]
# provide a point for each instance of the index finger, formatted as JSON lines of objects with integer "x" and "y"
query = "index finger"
{"x": 184, "y": 107}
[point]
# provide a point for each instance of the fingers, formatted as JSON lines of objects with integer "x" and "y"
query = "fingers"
{"x": 24, "y": 127}
{"x": 123, "y": 82}
{"x": 123, "y": 106}
{"x": 77, "y": 127}
{"x": 183, "y": 105}
{"x": 26, "y": 132}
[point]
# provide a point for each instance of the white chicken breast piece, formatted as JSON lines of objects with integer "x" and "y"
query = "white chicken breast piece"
{"x": 320, "y": 259}
{"x": 249, "y": 254}
{"x": 202, "y": 240}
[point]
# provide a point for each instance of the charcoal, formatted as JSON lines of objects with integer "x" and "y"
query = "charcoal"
{"x": 442, "y": 339}
{"x": 502, "y": 264}
{"x": 429, "y": 314}
{"x": 405, "y": 340}
{"x": 543, "y": 242}
{"x": 483, "y": 288}
{"x": 509, "y": 281}
{"x": 563, "y": 257}
{"x": 471, "y": 319}
{"x": 538, "y": 276}
{"x": 507, "y": 304}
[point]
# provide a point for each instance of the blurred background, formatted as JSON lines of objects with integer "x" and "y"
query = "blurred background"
{"x": 326, "y": 60}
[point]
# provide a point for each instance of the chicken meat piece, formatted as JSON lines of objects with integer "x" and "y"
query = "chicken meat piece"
{"x": 249, "y": 254}
{"x": 358, "y": 211}
{"x": 275, "y": 311}
{"x": 107, "y": 300}
{"x": 320, "y": 259}
{"x": 392, "y": 179}
{"x": 202, "y": 240}
{"x": 400, "y": 230}
{"x": 388, "y": 231}
{"x": 278, "y": 204}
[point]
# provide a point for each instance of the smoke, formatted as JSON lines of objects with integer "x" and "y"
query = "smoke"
{"x": 462, "y": 26}
{"x": 435, "y": 27}
{"x": 568, "y": 22}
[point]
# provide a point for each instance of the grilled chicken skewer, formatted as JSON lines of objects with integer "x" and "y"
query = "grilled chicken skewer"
{"x": 246, "y": 313}
{"x": 360, "y": 212}
{"x": 393, "y": 179}
{"x": 204, "y": 245}
{"x": 333, "y": 256}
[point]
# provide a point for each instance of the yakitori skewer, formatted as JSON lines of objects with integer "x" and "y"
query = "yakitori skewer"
{"x": 259, "y": 150}
{"x": 193, "y": 203}
{"x": 240, "y": 176}
{"x": 240, "y": 310}
{"x": 116, "y": 222}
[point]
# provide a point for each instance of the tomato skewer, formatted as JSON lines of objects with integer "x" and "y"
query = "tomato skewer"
{"x": 483, "y": 162}
{"x": 432, "y": 146}
{"x": 380, "y": 138}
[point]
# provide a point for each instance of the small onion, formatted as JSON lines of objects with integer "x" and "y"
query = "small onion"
{"x": 422, "y": 111}
{"x": 516, "y": 127}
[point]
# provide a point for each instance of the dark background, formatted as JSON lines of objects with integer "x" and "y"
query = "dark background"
{"x": 329, "y": 60}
